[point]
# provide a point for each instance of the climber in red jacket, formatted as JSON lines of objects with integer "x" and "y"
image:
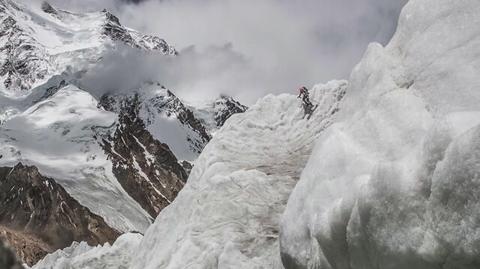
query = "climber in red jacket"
{"x": 304, "y": 94}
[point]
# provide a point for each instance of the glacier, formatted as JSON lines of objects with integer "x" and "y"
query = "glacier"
{"x": 384, "y": 175}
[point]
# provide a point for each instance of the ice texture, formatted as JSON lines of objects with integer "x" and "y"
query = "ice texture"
{"x": 83, "y": 256}
{"x": 395, "y": 182}
{"x": 227, "y": 214}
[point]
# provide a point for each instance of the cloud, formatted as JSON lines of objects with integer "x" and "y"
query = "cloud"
{"x": 248, "y": 48}
{"x": 280, "y": 44}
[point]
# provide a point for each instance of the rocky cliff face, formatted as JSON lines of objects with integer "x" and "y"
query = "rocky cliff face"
{"x": 224, "y": 108}
{"x": 214, "y": 115}
{"x": 37, "y": 206}
{"x": 165, "y": 116}
{"x": 145, "y": 167}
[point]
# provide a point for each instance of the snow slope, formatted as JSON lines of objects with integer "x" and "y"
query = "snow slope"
{"x": 58, "y": 136}
{"x": 395, "y": 183}
{"x": 227, "y": 215}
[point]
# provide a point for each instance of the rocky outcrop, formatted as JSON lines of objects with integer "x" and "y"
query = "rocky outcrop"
{"x": 145, "y": 167}
{"x": 154, "y": 104}
{"x": 214, "y": 115}
{"x": 224, "y": 108}
{"x": 39, "y": 216}
{"x": 29, "y": 248}
{"x": 172, "y": 105}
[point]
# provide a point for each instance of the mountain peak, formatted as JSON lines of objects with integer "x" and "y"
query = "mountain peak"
{"x": 47, "y": 8}
{"x": 111, "y": 18}
{"x": 38, "y": 45}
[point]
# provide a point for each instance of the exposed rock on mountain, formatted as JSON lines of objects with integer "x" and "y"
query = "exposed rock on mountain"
{"x": 214, "y": 115}
{"x": 28, "y": 247}
{"x": 165, "y": 116}
{"x": 38, "y": 207}
{"x": 146, "y": 168}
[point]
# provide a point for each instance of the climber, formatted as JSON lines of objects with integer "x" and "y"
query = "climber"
{"x": 303, "y": 93}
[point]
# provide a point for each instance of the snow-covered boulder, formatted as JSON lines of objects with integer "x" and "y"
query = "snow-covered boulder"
{"x": 395, "y": 183}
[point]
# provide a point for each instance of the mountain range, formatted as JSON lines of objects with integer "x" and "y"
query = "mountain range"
{"x": 79, "y": 164}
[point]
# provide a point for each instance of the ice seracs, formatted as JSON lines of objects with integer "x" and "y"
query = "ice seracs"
{"x": 394, "y": 182}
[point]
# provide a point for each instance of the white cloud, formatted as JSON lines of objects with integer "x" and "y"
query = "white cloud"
{"x": 248, "y": 48}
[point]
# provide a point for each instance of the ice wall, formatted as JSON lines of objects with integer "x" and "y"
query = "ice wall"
{"x": 395, "y": 182}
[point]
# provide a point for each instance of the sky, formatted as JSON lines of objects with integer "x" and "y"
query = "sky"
{"x": 247, "y": 48}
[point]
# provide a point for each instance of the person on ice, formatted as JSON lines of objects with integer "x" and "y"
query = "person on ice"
{"x": 304, "y": 94}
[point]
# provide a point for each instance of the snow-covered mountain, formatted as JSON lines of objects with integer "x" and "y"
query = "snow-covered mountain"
{"x": 386, "y": 176}
{"x": 122, "y": 155}
{"x": 38, "y": 42}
